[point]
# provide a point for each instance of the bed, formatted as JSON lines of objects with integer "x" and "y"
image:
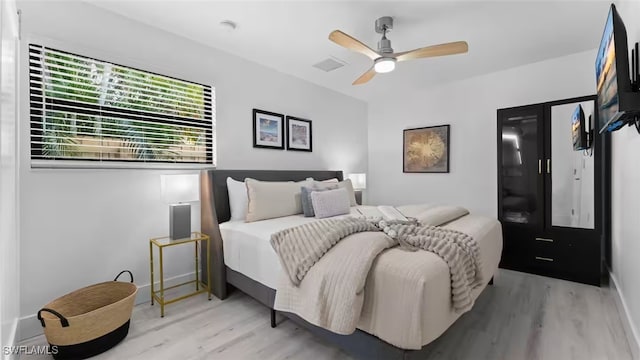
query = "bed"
{"x": 248, "y": 263}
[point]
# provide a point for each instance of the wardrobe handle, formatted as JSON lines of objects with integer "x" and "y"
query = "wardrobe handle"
{"x": 539, "y": 166}
{"x": 548, "y": 166}
{"x": 544, "y": 258}
{"x": 544, "y": 239}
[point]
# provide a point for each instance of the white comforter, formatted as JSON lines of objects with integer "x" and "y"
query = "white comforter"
{"x": 416, "y": 282}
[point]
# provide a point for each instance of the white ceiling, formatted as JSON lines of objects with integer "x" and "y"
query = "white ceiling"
{"x": 292, "y": 36}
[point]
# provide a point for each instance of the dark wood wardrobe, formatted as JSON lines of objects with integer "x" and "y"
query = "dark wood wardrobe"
{"x": 553, "y": 201}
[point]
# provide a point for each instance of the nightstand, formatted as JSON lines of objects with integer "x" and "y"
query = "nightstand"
{"x": 198, "y": 240}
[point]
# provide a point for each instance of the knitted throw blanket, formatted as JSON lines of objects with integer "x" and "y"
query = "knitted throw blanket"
{"x": 459, "y": 250}
{"x": 301, "y": 247}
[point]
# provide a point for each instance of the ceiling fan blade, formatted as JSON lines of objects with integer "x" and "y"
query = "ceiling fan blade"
{"x": 365, "y": 77}
{"x": 352, "y": 43}
{"x": 451, "y": 48}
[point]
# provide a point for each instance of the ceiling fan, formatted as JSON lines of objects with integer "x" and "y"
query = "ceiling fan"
{"x": 384, "y": 60}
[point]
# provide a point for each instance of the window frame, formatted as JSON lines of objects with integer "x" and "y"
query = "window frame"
{"x": 37, "y": 98}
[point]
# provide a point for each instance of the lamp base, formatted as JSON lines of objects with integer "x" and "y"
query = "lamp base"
{"x": 358, "y": 194}
{"x": 179, "y": 221}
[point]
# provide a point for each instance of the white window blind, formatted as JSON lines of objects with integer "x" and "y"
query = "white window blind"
{"x": 91, "y": 110}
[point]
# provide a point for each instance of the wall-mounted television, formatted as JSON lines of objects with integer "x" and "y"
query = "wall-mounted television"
{"x": 617, "y": 103}
{"x": 579, "y": 131}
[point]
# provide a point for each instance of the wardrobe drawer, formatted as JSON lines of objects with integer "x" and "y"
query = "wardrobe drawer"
{"x": 544, "y": 246}
{"x": 545, "y": 255}
{"x": 568, "y": 256}
{"x": 544, "y": 252}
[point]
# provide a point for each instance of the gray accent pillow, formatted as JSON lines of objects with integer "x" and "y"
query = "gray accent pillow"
{"x": 305, "y": 196}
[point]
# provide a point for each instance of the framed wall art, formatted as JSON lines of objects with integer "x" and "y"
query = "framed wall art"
{"x": 268, "y": 130}
{"x": 426, "y": 150}
{"x": 299, "y": 135}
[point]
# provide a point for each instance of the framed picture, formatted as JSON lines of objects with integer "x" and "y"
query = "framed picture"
{"x": 299, "y": 136}
{"x": 268, "y": 130}
{"x": 426, "y": 150}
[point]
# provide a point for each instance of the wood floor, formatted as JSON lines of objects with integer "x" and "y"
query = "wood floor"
{"x": 521, "y": 316}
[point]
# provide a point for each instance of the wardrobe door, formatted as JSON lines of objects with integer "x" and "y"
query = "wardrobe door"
{"x": 520, "y": 182}
{"x": 570, "y": 247}
{"x": 520, "y": 166}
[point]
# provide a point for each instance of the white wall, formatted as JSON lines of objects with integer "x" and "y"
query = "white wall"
{"x": 9, "y": 234}
{"x": 625, "y": 205}
{"x": 470, "y": 107}
{"x": 83, "y": 226}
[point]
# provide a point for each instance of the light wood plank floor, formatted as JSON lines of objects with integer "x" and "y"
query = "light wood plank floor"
{"x": 521, "y": 316}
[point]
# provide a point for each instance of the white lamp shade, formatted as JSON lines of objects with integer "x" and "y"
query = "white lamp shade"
{"x": 359, "y": 181}
{"x": 180, "y": 188}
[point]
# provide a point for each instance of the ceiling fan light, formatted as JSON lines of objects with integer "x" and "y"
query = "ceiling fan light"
{"x": 384, "y": 65}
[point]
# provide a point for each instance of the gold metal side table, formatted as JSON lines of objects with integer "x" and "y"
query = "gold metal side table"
{"x": 163, "y": 242}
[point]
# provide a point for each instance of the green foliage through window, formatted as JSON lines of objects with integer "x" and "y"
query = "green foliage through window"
{"x": 86, "y": 109}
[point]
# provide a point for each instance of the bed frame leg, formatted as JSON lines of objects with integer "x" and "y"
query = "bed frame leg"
{"x": 491, "y": 281}
{"x": 273, "y": 318}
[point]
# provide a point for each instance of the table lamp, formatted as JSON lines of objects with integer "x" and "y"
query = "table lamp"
{"x": 178, "y": 191}
{"x": 359, "y": 182}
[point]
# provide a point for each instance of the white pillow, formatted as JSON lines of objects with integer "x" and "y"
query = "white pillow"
{"x": 273, "y": 199}
{"x": 238, "y": 200}
{"x": 332, "y": 180}
{"x": 347, "y": 185}
{"x": 330, "y": 202}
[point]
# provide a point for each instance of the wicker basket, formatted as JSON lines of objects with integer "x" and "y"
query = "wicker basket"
{"x": 89, "y": 321}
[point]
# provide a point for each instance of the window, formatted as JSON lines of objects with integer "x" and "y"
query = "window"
{"x": 91, "y": 110}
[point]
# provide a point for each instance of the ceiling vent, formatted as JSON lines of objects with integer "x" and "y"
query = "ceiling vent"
{"x": 329, "y": 64}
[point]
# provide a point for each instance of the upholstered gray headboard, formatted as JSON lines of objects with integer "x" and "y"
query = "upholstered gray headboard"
{"x": 214, "y": 209}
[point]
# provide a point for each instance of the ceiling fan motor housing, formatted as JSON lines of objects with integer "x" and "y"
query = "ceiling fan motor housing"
{"x": 384, "y": 46}
{"x": 383, "y": 25}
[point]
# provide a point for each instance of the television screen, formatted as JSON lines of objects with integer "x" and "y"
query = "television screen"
{"x": 618, "y": 104}
{"x": 606, "y": 78}
{"x": 578, "y": 129}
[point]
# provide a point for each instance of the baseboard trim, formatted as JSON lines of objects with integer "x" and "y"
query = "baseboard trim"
{"x": 633, "y": 336}
{"x": 29, "y": 326}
